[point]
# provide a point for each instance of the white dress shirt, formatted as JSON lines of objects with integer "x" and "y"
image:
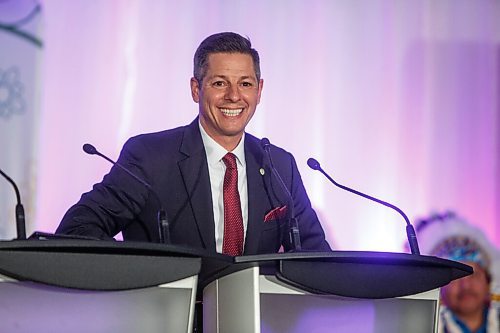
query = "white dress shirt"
{"x": 216, "y": 171}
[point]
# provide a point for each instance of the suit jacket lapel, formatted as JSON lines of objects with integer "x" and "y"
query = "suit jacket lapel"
{"x": 194, "y": 170}
{"x": 258, "y": 201}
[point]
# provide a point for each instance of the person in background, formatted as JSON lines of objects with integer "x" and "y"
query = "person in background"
{"x": 469, "y": 304}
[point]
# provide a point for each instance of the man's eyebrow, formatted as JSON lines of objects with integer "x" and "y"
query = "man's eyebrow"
{"x": 248, "y": 77}
{"x": 224, "y": 77}
{"x": 219, "y": 76}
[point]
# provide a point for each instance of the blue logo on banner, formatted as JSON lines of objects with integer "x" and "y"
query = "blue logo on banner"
{"x": 11, "y": 93}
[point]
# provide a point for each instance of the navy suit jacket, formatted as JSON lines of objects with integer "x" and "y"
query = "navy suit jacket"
{"x": 174, "y": 163}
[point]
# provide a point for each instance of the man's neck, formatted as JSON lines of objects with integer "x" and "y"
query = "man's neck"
{"x": 227, "y": 142}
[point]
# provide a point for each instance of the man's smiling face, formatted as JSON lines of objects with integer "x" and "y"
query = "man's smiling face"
{"x": 227, "y": 96}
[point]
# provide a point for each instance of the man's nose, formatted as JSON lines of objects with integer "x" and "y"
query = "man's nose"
{"x": 233, "y": 93}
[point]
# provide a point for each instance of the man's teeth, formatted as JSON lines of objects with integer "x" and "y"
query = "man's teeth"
{"x": 231, "y": 112}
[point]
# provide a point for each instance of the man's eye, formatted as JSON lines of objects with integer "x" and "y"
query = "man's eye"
{"x": 218, "y": 84}
{"x": 247, "y": 84}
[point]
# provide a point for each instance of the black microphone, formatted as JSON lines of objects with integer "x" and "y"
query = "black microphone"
{"x": 163, "y": 226}
{"x": 20, "y": 217}
{"x": 410, "y": 231}
{"x": 293, "y": 225}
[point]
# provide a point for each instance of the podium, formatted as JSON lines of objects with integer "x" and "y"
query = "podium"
{"x": 362, "y": 292}
{"x": 96, "y": 286}
{"x": 99, "y": 286}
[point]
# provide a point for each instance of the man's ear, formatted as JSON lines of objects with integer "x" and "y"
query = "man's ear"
{"x": 195, "y": 90}
{"x": 261, "y": 85}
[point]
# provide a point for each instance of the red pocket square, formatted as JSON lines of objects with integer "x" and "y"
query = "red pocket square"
{"x": 275, "y": 214}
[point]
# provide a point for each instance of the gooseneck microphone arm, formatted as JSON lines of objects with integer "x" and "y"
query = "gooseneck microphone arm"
{"x": 410, "y": 231}
{"x": 163, "y": 224}
{"x": 293, "y": 226}
{"x": 20, "y": 217}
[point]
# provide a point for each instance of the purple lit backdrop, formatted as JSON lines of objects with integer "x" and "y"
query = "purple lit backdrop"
{"x": 397, "y": 99}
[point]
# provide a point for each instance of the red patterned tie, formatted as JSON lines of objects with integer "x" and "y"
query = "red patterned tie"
{"x": 233, "y": 221}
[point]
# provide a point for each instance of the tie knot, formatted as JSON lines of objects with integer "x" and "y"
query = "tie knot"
{"x": 229, "y": 160}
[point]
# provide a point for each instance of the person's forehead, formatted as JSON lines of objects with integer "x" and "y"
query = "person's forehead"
{"x": 230, "y": 61}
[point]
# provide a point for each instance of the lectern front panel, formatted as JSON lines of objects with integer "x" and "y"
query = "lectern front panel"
{"x": 27, "y": 307}
{"x": 248, "y": 302}
{"x": 285, "y": 309}
{"x": 299, "y": 313}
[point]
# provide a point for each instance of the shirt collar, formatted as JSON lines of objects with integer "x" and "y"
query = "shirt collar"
{"x": 215, "y": 152}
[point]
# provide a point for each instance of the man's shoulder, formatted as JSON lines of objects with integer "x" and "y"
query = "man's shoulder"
{"x": 163, "y": 143}
{"x": 165, "y": 138}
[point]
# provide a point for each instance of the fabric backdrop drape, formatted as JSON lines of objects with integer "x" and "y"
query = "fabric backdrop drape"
{"x": 399, "y": 99}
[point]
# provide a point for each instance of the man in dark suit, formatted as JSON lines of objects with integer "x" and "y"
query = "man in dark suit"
{"x": 213, "y": 178}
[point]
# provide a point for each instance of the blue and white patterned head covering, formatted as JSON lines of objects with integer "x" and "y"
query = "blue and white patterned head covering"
{"x": 447, "y": 236}
{"x": 450, "y": 237}
{"x": 462, "y": 248}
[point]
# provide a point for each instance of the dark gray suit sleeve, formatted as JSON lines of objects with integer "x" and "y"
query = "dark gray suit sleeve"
{"x": 111, "y": 204}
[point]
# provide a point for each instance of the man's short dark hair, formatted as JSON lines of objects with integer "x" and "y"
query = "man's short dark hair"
{"x": 224, "y": 42}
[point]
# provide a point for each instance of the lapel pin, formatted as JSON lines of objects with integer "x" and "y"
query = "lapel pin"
{"x": 262, "y": 172}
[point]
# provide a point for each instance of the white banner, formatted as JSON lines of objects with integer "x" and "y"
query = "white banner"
{"x": 20, "y": 51}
